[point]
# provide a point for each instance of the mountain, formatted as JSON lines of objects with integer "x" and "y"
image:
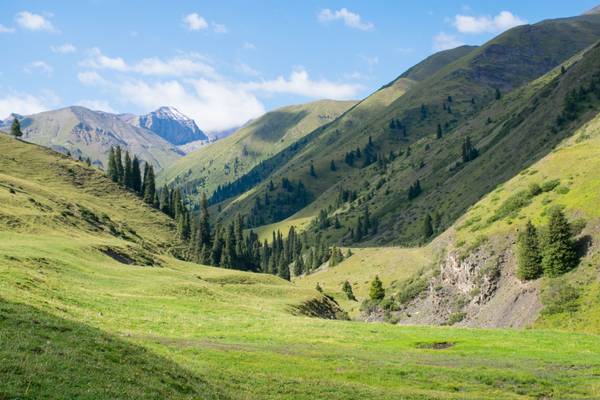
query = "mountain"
{"x": 92, "y": 294}
{"x": 459, "y": 99}
{"x": 168, "y": 123}
{"x": 86, "y": 133}
{"x": 226, "y": 159}
{"x": 543, "y": 150}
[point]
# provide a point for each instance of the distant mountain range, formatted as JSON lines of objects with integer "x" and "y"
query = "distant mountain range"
{"x": 168, "y": 123}
{"x": 155, "y": 137}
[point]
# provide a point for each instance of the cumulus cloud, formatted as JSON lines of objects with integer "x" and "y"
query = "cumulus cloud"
{"x": 5, "y": 29}
{"x": 444, "y": 41}
{"x": 25, "y": 103}
{"x": 34, "y": 22}
{"x": 38, "y": 66}
{"x": 97, "y": 105}
{"x": 183, "y": 65}
{"x": 487, "y": 24}
{"x": 63, "y": 48}
{"x": 214, "y": 105}
{"x": 299, "y": 83}
{"x": 350, "y": 19}
{"x": 98, "y": 60}
{"x": 91, "y": 78}
{"x": 195, "y": 22}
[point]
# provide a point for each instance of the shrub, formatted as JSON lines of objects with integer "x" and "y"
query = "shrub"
{"x": 512, "y": 205}
{"x": 550, "y": 185}
{"x": 560, "y": 297}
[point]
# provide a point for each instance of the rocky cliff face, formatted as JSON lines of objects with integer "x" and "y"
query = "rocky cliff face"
{"x": 170, "y": 124}
{"x": 479, "y": 289}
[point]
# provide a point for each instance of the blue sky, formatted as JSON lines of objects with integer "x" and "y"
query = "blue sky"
{"x": 225, "y": 62}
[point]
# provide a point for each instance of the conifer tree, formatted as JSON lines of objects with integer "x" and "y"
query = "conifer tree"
{"x": 204, "y": 224}
{"x": 88, "y": 161}
{"x": 376, "y": 292}
{"x": 347, "y": 288}
{"x": 312, "y": 170}
{"x": 332, "y": 166}
{"x": 439, "y": 133}
{"x": 119, "y": 164}
{"x": 498, "y": 94}
{"x": 528, "y": 254}
{"x": 127, "y": 172}
{"x": 15, "y": 129}
{"x": 299, "y": 266}
{"x": 558, "y": 253}
{"x": 149, "y": 185}
{"x": 427, "y": 227}
{"x": 112, "y": 171}
{"x": 136, "y": 178}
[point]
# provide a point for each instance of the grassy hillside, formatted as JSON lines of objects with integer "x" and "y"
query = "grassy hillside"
{"x": 86, "y": 133}
{"x": 230, "y": 158}
{"x": 510, "y": 132}
{"x": 80, "y": 323}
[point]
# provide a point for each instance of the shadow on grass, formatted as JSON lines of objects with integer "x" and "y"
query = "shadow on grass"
{"x": 47, "y": 357}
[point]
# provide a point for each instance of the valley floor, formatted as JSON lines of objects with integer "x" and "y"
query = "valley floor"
{"x": 76, "y": 324}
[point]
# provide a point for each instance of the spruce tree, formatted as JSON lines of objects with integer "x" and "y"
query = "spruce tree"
{"x": 112, "y": 171}
{"x": 427, "y": 227}
{"x": 204, "y": 224}
{"x": 558, "y": 253}
{"x": 15, "y": 129}
{"x": 332, "y": 166}
{"x": 312, "y": 171}
{"x": 128, "y": 172}
{"x": 119, "y": 164}
{"x": 498, "y": 94}
{"x": 347, "y": 288}
{"x": 439, "y": 131}
{"x": 376, "y": 292}
{"x": 528, "y": 254}
{"x": 149, "y": 185}
{"x": 136, "y": 178}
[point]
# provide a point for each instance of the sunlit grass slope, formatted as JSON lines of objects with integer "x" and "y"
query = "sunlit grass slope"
{"x": 76, "y": 323}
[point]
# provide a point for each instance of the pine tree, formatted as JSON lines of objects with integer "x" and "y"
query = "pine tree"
{"x": 558, "y": 252}
{"x": 127, "y": 172}
{"x": 299, "y": 266}
{"x": 332, "y": 166}
{"x": 427, "y": 227}
{"x": 88, "y": 161}
{"x": 204, "y": 224}
{"x": 498, "y": 94}
{"x": 312, "y": 171}
{"x": 439, "y": 131}
{"x": 376, "y": 292}
{"x": 149, "y": 185}
{"x": 15, "y": 129}
{"x": 136, "y": 178}
{"x": 347, "y": 288}
{"x": 119, "y": 164}
{"x": 528, "y": 254}
{"x": 112, "y": 171}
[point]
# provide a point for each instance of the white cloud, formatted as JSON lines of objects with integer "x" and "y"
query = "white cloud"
{"x": 444, "y": 41}
{"x": 97, "y": 105}
{"x": 219, "y": 28}
{"x": 91, "y": 78}
{"x": 195, "y": 22}
{"x": 98, "y": 60}
{"x": 249, "y": 46}
{"x": 63, "y": 48}
{"x": 25, "y": 104}
{"x": 486, "y": 24}
{"x": 5, "y": 29}
{"x": 299, "y": 83}
{"x": 214, "y": 105}
{"x": 350, "y": 19}
{"x": 34, "y": 22}
{"x": 38, "y": 66}
{"x": 183, "y": 65}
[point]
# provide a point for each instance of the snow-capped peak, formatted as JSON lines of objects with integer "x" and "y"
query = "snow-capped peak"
{"x": 172, "y": 113}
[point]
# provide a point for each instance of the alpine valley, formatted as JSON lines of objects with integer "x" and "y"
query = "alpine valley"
{"x": 437, "y": 239}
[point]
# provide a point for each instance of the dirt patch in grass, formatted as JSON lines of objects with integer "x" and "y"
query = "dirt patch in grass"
{"x": 434, "y": 345}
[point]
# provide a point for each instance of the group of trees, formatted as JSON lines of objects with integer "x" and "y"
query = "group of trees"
{"x": 551, "y": 254}
{"x": 576, "y": 98}
{"x": 126, "y": 171}
{"x": 469, "y": 152}
{"x": 278, "y": 202}
{"x": 365, "y": 225}
{"x": 414, "y": 190}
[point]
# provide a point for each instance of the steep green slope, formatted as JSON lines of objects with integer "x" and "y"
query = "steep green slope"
{"x": 460, "y": 98}
{"x": 86, "y": 133}
{"x": 77, "y": 322}
{"x": 230, "y": 158}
